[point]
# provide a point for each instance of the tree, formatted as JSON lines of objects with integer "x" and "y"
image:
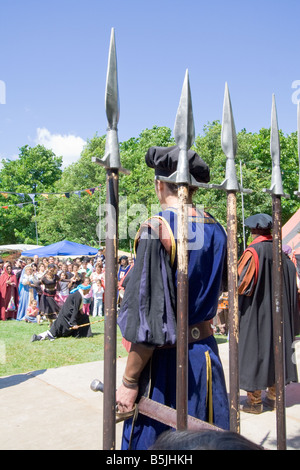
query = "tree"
{"x": 254, "y": 153}
{"x": 35, "y": 170}
{"x": 68, "y": 216}
{"x": 75, "y": 217}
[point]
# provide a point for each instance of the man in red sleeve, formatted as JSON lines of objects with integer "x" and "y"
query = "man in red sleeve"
{"x": 256, "y": 350}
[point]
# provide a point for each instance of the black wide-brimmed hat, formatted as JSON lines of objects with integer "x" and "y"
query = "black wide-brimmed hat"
{"x": 164, "y": 160}
{"x": 259, "y": 221}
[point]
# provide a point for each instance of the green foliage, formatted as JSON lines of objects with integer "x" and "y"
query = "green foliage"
{"x": 35, "y": 170}
{"x": 76, "y": 218}
{"x": 254, "y": 164}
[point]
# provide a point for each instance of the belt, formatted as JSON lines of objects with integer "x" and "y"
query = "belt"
{"x": 196, "y": 332}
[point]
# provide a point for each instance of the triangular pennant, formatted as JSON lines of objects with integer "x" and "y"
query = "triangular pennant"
{"x": 4, "y": 207}
{"x": 67, "y": 195}
{"x": 45, "y": 195}
{"x": 4, "y": 195}
{"x": 32, "y": 196}
{"x": 78, "y": 193}
{"x": 89, "y": 191}
{"x": 19, "y": 205}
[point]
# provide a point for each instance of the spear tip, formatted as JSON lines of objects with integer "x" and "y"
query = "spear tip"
{"x": 228, "y": 136}
{"x": 184, "y": 129}
{"x": 112, "y": 104}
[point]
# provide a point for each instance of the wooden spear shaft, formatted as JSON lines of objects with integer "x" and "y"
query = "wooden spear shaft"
{"x": 110, "y": 325}
{"x": 182, "y": 309}
{"x": 233, "y": 312}
{"x": 278, "y": 330}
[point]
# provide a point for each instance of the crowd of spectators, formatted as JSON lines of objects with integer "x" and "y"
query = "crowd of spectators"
{"x": 34, "y": 289}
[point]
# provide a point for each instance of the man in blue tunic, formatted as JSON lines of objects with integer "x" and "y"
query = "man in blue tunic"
{"x": 148, "y": 314}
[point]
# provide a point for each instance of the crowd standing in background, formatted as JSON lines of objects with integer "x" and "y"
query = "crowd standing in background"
{"x": 35, "y": 289}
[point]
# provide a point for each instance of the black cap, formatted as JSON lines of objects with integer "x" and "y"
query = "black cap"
{"x": 259, "y": 221}
{"x": 164, "y": 160}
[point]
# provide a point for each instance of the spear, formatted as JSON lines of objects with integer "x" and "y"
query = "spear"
{"x": 184, "y": 133}
{"x": 229, "y": 147}
{"x": 297, "y": 193}
{"x": 231, "y": 186}
{"x": 111, "y": 161}
{"x": 276, "y": 191}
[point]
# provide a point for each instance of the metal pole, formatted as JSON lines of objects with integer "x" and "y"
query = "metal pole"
{"x": 99, "y": 209}
{"x": 229, "y": 146}
{"x": 182, "y": 310}
{"x": 36, "y": 230}
{"x": 234, "y": 385}
{"x": 110, "y": 325}
{"x": 278, "y": 325}
{"x": 111, "y": 161}
{"x": 276, "y": 191}
{"x": 243, "y": 216}
{"x": 184, "y": 133}
{"x": 231, "y": 186}
{"x": 297, "y": 193}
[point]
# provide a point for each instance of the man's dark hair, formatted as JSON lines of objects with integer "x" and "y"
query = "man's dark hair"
{"x": 203, "y": 440}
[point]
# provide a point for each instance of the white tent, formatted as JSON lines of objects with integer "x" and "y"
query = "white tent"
{"x": 21, "y": 247}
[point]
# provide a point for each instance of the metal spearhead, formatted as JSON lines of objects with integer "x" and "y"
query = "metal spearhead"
{"x": 111, "y": 158}
{"x": 297, "y": 193}
{"x": 276, "y": 181}
{"x": 229, "y": 144}
{"x": 276, "y": 188}
{"x": 229, "y": 147}
{"x": 112, "y": 103}
{"x": 184, "y": 133}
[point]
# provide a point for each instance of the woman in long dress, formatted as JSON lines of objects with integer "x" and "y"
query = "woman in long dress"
{"x": 48, "y": 305}
{"x": 27, "y": 291}
{"x": 8, "y": 294}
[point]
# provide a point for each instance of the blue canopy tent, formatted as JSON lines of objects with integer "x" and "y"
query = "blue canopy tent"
{"x": 63, "y": 248}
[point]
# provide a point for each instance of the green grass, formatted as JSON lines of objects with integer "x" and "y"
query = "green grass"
{"x": 18, "y": 355}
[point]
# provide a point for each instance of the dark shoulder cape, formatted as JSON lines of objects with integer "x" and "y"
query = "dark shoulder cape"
{"x": 256, "y": 351}
{"x": 146, "y": 318}
{"x": 148, "y": 310}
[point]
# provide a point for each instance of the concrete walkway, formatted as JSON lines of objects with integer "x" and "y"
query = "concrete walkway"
{"x": 55, "y": 409}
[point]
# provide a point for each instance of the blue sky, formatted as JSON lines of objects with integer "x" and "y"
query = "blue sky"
{"x": 53, "y": 59}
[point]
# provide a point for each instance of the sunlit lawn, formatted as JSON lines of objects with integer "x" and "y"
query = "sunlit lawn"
{"x": 19, "y": 355}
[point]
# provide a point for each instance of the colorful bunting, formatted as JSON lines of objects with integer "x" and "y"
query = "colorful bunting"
{"x": 32, "y": 196}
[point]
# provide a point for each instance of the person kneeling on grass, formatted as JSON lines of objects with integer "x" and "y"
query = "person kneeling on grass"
{"x": 70, "y": 317}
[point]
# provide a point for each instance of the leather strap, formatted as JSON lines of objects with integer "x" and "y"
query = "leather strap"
{"x": 197, "y": 332}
